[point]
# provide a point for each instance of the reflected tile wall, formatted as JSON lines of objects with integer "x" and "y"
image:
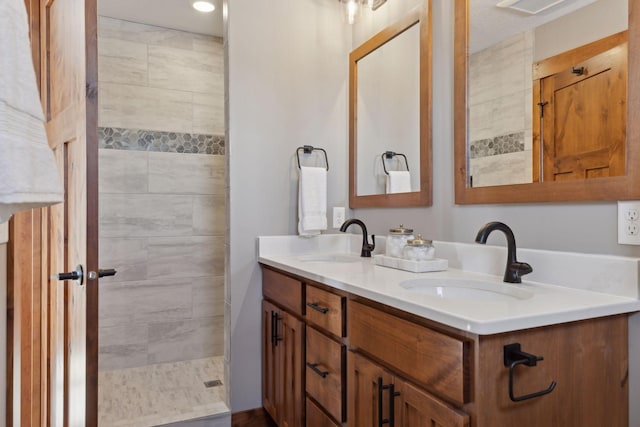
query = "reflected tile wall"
{"x": 501, "y": 169}
{"x": 500, "y": 113}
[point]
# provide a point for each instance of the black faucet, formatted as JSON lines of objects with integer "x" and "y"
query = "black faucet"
{"x": 514, "y": 269}
{"x": 366, "y": 247}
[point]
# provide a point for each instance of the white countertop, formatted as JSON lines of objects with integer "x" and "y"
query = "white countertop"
{"x": 549, "y": 304}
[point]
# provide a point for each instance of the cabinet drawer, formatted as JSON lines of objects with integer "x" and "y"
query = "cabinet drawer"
{"x": 283, "y": 290}
{"x": 317, "y": 418}
{"x": 325, "y": 310}
{"x": 325, "y": 367}
{"x": 437, "y": 361}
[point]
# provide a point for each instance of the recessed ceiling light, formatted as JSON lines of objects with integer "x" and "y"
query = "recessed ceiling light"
{"x": 203, "y": 6}
{"x": 529, "y": 6}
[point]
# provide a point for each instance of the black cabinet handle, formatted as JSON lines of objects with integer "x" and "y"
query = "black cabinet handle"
{"x": 381, "y": 387}
{"x": 316, "y": 307}
{"x": 275, "y": 338}
{"x": 514, "y": 356}
{"x": 273, "y": 328}
{"x": 314, "y": 368}
{"x": 392, "y": 396}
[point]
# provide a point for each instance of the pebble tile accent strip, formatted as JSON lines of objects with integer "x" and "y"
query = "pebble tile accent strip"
{"x": 168, "y": 142}
{"x": 503, "y": 144}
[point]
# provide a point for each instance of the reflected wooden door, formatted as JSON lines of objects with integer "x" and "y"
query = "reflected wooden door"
{"x": 583, "y": 118}
{"x": 68, "y": 40}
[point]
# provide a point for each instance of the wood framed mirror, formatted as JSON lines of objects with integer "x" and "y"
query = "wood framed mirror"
{"x": 549, "y": 179}
{"x": 390, "y": 115}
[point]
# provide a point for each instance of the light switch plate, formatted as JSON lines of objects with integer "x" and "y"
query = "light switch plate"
{"x": 629, "y": 222}
{"x": 339, "y": 216}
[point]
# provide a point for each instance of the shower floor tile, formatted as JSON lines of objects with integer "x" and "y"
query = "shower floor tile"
{"x": 160, "y": 394}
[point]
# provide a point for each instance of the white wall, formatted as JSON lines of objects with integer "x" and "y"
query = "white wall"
{"x": 288, "y": 74}
{"x": 267, "y": 62}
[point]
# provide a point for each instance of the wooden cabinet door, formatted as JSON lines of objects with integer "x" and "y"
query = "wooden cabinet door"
{"x": 317, "y": 418}
{"x": 282, "y": 367}
{"x": 289, "y": 353}
{"x": 417, "y": 408}
{"x": 269, "y": 359}
{"x": 368, "y": 405}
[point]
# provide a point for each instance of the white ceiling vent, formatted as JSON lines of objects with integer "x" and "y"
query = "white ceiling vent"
{"x": 529, "y": 6}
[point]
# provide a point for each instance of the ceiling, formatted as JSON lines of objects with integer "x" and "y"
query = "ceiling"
{"x": 491, "y": 24}
{"x": 176, "y": 14}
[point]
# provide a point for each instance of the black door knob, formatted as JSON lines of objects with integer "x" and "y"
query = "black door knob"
{"x": 102, "y": 273}
{"x": 78, "y": 275}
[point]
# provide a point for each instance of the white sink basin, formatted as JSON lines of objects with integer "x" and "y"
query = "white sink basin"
{"x": 330, "y": 258}
{"x": 466, "y": 289}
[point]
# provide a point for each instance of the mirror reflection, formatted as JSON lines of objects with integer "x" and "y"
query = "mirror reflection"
{"x": 388, "y": 116}
{"x": 390, "y": 111}
{"x": 546, "y": 92}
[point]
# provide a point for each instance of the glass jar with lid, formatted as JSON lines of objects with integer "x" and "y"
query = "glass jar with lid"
{"x": 418, "y": 249}
{"x": 397, "y": 239}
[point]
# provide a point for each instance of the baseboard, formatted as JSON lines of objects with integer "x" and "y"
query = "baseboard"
{"x": 257, "y": 417}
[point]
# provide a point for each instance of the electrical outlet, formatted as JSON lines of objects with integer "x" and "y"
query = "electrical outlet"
{"x": 631, "y": 214}
{"x": 339, "y": 216}
{"x": 629, "y": 222}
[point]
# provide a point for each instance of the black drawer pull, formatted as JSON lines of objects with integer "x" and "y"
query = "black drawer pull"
{"x": 316, "y": 307}
{"x": 314, "y": 368}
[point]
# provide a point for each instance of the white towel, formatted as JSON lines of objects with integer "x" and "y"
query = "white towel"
{"x": 312, "y": 201}
{"x": 398, "y": 182}
{"x": 28, "y": 173}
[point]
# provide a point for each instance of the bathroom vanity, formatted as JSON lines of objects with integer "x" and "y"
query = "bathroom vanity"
{"x": 348, "y": 342}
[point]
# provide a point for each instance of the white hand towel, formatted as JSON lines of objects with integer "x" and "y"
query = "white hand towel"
{"x": 28, "y": 174}
{"x": 312, "y": 201}
{"x": 398, "y": 182}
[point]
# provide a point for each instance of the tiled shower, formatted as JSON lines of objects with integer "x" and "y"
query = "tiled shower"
{"x": 162, "y": 223}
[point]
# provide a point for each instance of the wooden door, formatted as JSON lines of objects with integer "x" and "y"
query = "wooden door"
{"x": 290, "y": 353}
{"x": 583, "y": 117}
{"x": 63, "y": 391}
{"x": 417, "y": 408}
{"x": 269, "y": 359}
{"x": 368, "y": 404}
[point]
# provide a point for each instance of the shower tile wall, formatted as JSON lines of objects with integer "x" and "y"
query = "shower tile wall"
{"x": 500, "y": 122}
{"x": 154, "y": 78}
{"x": 162, "y": 206}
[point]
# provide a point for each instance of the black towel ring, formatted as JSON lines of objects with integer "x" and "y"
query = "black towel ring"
{"x": 308, "y": 149}
{"x": 391, "y": 155}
